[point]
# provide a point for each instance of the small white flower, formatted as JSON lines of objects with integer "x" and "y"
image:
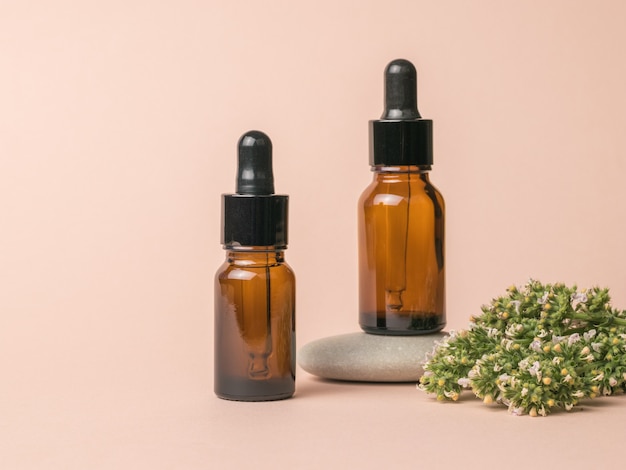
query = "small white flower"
{"x": 516, "y": 304}
{"x": 516, "y": 410}
{"x": 597, "y": 347}
{"x": 542, "y": 333}
{"x": 473, "y": 373}
{"x": 577, "y": 299}
{"x": 573, "y": 338}
{"x": 612, "y": 381}
{"x": 524, "y": 391}
{"x": 497, "y": 368}
{"x": 504, "y": 377}
{"x": 569, "y": 406}
{"x": 598, "y": 377}
{"x": 523, "y": 364}
{"x": 543, "y": 299}
{"x": 513, "y": 329}
{"x": 464, "y": 382}
{"x": 535, "y": 345}
{"x": 535, "y": 369}
{"x": 492, "y": 332}
{"x": 589, "y": 334}
{"x": 578, "y": 394}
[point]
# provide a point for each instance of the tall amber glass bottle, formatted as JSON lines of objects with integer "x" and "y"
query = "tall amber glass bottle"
{"x": 401, "y": 219}
{"x": 254, "y": 288}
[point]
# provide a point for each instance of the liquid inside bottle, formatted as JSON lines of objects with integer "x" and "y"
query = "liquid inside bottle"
{"x": 401, "y": 253}
{"x": 254, "y": 326}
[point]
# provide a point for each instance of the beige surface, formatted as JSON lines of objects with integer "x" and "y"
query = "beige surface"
{"x": 118, "y": 127}
{"x": 326, "y": 425}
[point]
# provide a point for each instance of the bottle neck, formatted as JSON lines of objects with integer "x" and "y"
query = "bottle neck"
{"x": 399, "y": 174}
{"x": 413, "y": 169}
{"x": 252, "y": 256}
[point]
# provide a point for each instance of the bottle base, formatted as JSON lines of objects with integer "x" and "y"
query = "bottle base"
{"x": 244, "y": 389}
{"x": 401, "y": 324}
{"x": 254, "y": 398}
{"x": 391, "y": 332}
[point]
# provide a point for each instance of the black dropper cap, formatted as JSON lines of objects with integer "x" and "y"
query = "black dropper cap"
{"x": 401, "y": 137}
{"x": 254, "y": 216}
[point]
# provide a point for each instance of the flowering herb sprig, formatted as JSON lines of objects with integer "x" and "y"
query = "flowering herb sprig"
{"x": 537, "y": 348}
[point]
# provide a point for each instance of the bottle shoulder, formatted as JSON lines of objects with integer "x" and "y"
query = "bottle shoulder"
{"x": 435, "y": 191}
{"x": 371, "y": 188}
{"x": 244, "y": 269}
{"x": 392, "y": 190}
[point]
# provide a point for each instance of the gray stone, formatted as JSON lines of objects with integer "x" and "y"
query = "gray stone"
{"x": 368, "y": 358}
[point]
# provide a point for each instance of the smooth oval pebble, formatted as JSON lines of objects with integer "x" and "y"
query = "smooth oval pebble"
{"x": 365, "y": 357}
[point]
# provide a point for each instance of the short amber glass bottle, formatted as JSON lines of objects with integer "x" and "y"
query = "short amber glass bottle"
{"x": 254, "y": 326}
{"x": 401, "y": 219}
{"x": 254, "y": 289}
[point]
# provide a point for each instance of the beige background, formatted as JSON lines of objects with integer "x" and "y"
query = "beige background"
{"x": 118, "y": 126}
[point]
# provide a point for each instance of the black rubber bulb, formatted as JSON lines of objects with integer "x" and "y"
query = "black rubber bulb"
{"x": 400, "y": 91}
{"x": 254, "y": 173}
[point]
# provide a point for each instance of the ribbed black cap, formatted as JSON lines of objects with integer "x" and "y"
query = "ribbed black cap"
{"x": 254, "y": 216}
{"x": 401, "y": 137}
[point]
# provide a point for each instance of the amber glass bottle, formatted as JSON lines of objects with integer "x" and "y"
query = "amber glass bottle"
{"x": 401, "y": 219}
{"x": 254, "y": 288}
